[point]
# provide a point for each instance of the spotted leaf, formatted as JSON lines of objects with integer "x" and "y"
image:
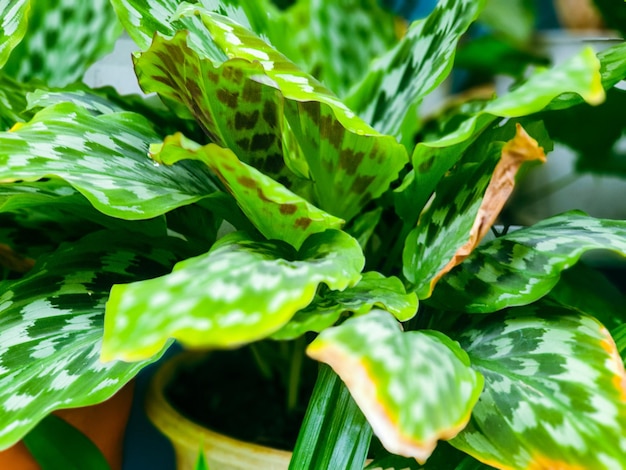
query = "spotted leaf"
{"x": 567, "y": 83}
{"x": 524, "y": 265}
{"x": 62, "y": 39}
{"x": 13, "y": 25}
{"x": 51, "y": 324}
{"x": 274, "y": 210}
{"x": 373, "y": 290}
{"x": 349, "y": 161}
{"x": 240, "y": 291}
{"x": 103, "y": 157}
{"x": 400, "y": 79}
{"x": 555, "y": 391}
{"x": 464, "y": 209}
{"x": 413, "y": 387}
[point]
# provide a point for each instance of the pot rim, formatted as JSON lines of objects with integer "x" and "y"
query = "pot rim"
{"x": 179, "y": 428}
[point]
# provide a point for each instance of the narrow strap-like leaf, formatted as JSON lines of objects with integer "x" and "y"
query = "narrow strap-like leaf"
{"x": 334, "y": 433}
{"x": 414, "y": 387}
{"x": 555, "y": 391}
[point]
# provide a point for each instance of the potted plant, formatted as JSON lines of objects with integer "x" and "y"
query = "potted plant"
{"x": 253, "y": 204}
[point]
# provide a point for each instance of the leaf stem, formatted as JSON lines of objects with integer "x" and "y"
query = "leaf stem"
{"x": 264, "y": 367}
{"x": 295, "y": 373}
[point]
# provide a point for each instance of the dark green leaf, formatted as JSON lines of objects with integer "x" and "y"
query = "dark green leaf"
{"x": 334, "y": 433}
{"x": 56, "y": 444}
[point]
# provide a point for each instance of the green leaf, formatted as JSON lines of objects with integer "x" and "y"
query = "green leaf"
{"x": 12, "y": 102}
{"x": 104, "y": 158}
{"x": 431, "y": 160}
{"x": 513, "y": 20}
{"x": 90, "y": 27}
{"x": 51, "y": 326}
{"x": 465, "y": 206}
{"x": 201, "y": 463}
{"x": 56, "y": 444}
{"x": 525, "y": 265}
{"x": 349, "y": 161}
{"x": 620, "y": 340}
{"x": 274, "y": 210}
{"x": 409, "y": 402}
{"x": 555, "y": 391}
{"x": 325, "y": 35}
{"x": 14, "y": 14}
{"x": 400, "y": 79}
{"x": 334, "y": 433}
{"x": 587, "y": 290}
{"x": 239, "y": 292}
{"x": 373, "y": 290}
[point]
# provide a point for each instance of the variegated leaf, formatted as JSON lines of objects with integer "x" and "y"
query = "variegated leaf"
{"x": 103, "y": 157}
{"x": 414, "y": 387}
{"x": 240, "y": 291}
{"x": 524, "y": 265}
{"x": 465, "y": 207}
{"x": 274, "y": 210}
{"x": 373, "y": 290}
{"x": 349, "y": 161}
{"x": 555, "y": 392}
{"x": 51, "y": 325}
{"x": 566, "y": 83}
{"x": 620, "y": 340}
{"x": 325, "y": 35}
{"x": 399, "y": 80}
{"x": 63, "y": 38}
{"x": 13, "y": 25}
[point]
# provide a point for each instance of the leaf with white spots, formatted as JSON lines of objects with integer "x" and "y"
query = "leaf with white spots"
{"x": 51, "y": 326}
{"x": 239, "y": 292}
{"x": 62, "y": 39}
{"x": 523, "y": 266}
{"x": 465, "y": 207}
{"x": 373, "y": 290}
{"x": 13, "y": 25}
{"x": 104, "y": 157}
{"x": 399, "y": 80}
{"x": 555, "y": 391}
{"x": 274, "y": 210}
{"x": 320, "y": 37}
{"x": 413, "y": 387}
{"x": 247, "y": 102}
{"x": 567, "y": 84}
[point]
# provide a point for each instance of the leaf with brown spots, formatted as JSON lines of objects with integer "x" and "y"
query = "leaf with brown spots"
{"x": 274, "y": 210}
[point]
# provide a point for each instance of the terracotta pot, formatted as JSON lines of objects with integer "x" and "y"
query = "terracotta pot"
{"x": 187, "y": 437}
{"x": 104, "y": 424}
{"x": 578, "y": 14}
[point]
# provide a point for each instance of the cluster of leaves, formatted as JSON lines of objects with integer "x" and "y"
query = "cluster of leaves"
{"x": 303, "y": 146}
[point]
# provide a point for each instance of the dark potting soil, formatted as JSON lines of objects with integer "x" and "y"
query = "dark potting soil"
{"x": 227, "y": 394}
